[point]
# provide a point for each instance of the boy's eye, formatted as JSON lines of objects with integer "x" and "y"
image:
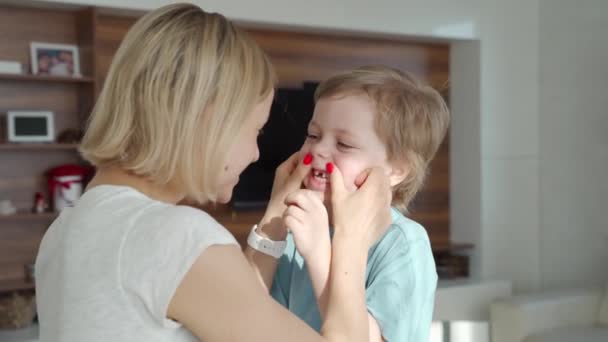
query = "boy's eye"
{"x": 312, "y": 136}
{"x": 343, "y": 145}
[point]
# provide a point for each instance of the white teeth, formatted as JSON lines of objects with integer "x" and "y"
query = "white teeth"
{"x": 319, "y": 174}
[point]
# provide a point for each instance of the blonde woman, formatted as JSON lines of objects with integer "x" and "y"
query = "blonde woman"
{"x": 178, "y": 117}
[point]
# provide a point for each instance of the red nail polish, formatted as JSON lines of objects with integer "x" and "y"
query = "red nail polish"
{"x": 308, "y": 159}
{"x": 329, "y": 167}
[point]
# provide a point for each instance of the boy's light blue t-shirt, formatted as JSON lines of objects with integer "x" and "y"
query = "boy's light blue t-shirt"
{"x": 400, "y": 283}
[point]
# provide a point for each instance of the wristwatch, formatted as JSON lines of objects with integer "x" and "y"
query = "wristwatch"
{"x": 265, "y": 245}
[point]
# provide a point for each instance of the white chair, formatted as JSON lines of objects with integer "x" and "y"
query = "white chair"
{"x": 558, "y": 316}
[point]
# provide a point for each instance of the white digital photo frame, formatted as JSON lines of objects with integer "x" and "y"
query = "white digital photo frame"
{"x": 30, "y": 126}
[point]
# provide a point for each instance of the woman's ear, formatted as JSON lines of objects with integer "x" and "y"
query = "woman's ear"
{"x": 399, "y": 171}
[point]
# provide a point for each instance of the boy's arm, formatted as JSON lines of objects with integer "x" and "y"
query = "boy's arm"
{"x": 318, "y": 266}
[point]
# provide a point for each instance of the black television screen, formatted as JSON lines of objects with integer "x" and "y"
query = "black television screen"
{"x": 283, "y": 134}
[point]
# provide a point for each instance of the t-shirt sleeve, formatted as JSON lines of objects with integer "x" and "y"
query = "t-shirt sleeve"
{"x": 158, "y": 252}
{"x": 400, "y": 290}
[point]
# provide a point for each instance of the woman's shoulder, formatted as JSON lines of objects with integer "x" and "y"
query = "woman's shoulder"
{"x": 181, "y": 222}
{"x": 145, "y": 214}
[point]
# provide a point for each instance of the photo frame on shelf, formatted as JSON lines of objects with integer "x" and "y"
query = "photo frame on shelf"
{"x": 55, "y": 59}
{"x": 30, "y": 126}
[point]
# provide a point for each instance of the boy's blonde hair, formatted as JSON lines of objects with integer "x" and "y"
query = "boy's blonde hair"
{"x": 411, "y": 119}
{"x": 177, "y": 93}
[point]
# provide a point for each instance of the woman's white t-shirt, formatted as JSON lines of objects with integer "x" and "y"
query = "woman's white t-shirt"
{"x": 108, "y": 267}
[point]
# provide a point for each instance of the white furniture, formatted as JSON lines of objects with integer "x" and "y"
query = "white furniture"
{"x": 462, "y": 309}
{"x": 557, "y": 316}
{"x": 29, "y": 334}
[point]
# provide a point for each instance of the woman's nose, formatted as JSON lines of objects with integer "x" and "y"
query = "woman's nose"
{"x": 256, "y": 155}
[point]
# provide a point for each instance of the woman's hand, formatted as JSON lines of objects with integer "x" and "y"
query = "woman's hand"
{"x": 364, "y": 214}
{"x": 288, "y": 178}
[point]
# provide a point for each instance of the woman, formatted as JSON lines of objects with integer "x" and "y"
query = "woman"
{"x": 177, "y": 119}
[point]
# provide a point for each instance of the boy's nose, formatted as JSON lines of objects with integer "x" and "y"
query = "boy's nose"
{"x": 320, "y": 151}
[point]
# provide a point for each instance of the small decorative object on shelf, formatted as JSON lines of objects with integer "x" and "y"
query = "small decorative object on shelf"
{"x": 55, "y": 59}
{"x": 450, "y": 266}
{"x": 70, "y": 136}
{"x": 10, "y": 67}
{"x": 7, "y": 208}
{"x": 40, "y": 205}
{"x": 65, "y": 185}
{"x": 17, "y": 309}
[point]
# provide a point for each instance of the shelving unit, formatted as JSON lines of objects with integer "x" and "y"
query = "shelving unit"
{"x": 15, "y": 285}
{"x": 48, "y": 79}
{"x": 37, "y": 147}
{"x": 25, "y": 216}
{"x": 24, "y": 165}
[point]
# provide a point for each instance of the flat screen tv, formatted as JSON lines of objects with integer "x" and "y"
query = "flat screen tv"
{"x": 282, "y": 135}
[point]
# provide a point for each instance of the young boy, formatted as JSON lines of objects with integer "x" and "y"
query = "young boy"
{"x": 371, "y": 116}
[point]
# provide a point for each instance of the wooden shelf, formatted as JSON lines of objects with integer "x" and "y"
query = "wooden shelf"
{"x": 451, "y": 247}
{"x": 9, "y": 285}
{"x": 29, "y": 216}
{"x": 40, "y": 78}
{"x": 36, "y": 146}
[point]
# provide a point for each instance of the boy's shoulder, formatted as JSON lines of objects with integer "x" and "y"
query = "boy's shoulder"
{"x": 402, "y": 235}
{"x": 409, "y": 229}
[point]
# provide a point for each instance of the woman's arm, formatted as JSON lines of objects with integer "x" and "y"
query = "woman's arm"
{"x": 220, "y": 299}
{"x": 288, "y": 178}
{"x": 265, "y": 266}
{"x": 358, "y": 228}
{"x": 307, "y": 219}
{"x": 318, "y": 269}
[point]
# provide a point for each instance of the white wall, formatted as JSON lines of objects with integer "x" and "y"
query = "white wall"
{"x": 496, "y": 147}
{"x": 574, "y": 142}
{"x": 413, "y": 17}
{"x": 509, "y": 142}
{"x": 465, "y": 162}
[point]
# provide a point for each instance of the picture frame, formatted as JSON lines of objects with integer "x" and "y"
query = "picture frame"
{"x": 55, "y": 59}
{"x": 30, "y": 126}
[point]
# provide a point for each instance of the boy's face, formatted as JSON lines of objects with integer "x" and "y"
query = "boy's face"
{"x": 342, "y": 131}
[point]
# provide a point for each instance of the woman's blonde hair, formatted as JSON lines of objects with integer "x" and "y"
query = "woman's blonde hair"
{"x": 411, "y": 119}
{"x": 177, "y": 93}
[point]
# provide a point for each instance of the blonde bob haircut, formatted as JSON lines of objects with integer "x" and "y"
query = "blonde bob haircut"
{"x": 178, "y": 91}
{"x": 411, "y": 119}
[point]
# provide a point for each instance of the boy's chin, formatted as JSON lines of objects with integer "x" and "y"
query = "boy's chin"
{"x": 324, "y": 196}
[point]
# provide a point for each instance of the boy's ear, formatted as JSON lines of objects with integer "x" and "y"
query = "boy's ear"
{"x": 399, "y": 171}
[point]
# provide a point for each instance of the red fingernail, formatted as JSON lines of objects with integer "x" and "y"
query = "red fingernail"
{"x": 329, "y": 167}
{"x": 308, "y": 159}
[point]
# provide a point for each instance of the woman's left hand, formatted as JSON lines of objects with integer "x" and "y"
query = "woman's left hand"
{"x": 288, "y": 178}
